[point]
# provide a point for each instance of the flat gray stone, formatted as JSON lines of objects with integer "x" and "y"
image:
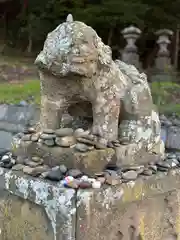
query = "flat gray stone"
{"x": 49, "y": 142}
{"x": 130, "y": 175}
{"x": 66, "y": 141}
{"x": 47, "y": 136}
{"x": 62, "y": 132}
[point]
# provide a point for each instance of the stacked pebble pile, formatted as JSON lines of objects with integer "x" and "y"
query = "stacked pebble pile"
{"x": 74, "y": 178}
{"x": 78, "y": 139}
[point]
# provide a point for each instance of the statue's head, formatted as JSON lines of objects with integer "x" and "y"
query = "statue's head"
{"x": 73, "y": 48}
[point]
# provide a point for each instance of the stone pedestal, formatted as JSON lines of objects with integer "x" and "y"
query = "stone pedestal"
{"x": 140, "y": 210}
{"x": 34, "y": 209}
{"x": 89, "y": 162}
{"x": 130, "y": 52}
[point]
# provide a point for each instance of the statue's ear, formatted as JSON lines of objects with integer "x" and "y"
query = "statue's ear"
{"x": 104, "y": 52}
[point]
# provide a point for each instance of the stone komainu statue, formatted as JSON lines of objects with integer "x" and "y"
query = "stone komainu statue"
{"x": 75, "y": 66}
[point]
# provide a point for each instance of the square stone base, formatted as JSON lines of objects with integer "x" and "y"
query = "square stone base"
{"x": 88, "y": 162}
{"x": 33, "y": 209}
{"x": 36, "y": 209}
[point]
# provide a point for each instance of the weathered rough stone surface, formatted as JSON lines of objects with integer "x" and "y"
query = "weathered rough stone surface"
{"x": 20, "y": 218}
{"x": 138, "y": 210}
{"x": 76, "y": 66}
{"x": 88, "y": 162}
{"x": 35, "y": 209}
{"x": 145, "y": 209}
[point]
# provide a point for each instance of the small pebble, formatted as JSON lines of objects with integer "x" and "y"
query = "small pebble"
{"x": 71, "y": 184}
{"x": 101, "y": 180}
{"x": 171, "y": 155}
{"x": 162, "y": 169}
{"x": 84, "y": 178}
{"x": 13, "y": 161}
{"x": 172, "y": 162}
{"x": 117, "y": 145}
{"x": 85, "y": 185}
{"x": 130, "y": 175}
{"x": 63, "y": 168}
{"x": 49, "y": 142}
{"x": 47, "y": 136}
{"x": 26, "y": 137}
{"x": 141, "y": 170}
{"x": 31, "y": 130}
{"x": 88, "y": 136}
{"x": 64, "y": 132}
{"x": 111, "y": 180}
{"x": 153, "y": 168}
{"x": 115, "y": 141}
{"x": 32, "y": 164}
{"x": 44, "y": 174}
{"x": 147, "y": 172}
{"x": 163, "y": 164}
{"x": 48, "y": 131}
{"x": 100, "y": 174}
{"x": 34, "y": 137}
{"x": 35, "y": 171}
{"x": 81, "y": 147}
{"x": 69, "y": 179}
{"x": 110, "y": 145}
{"x": 18, "y": 167}
{"x": 8, "y": 165}
{"x": 25, "y": 131}
{"x": 91, "y": 180}
{"x": 36, "y": 159}
{"x": 5, "y": 159}
{"x": 86, "y": 141}
{"x": 111, "y": 172}
{"x": 96, "y": 184}
{"x": 78, "y": 132}
{"x": 55, "y": 174}
{"x": 135, "y": 168}
{"x": 66, "y": 141}
{"x": 75, "y": 173}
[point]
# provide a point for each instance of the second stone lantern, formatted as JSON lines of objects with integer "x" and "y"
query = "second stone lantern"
{"x": 130, "y": 52}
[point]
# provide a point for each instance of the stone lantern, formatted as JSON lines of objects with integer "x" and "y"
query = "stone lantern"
{"x": 163, "y": 61}
{"x": 130, "y": 52}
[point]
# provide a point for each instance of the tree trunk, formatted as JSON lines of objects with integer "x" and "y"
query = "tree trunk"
{"x": 30, "y": 44}
{"x": 4, "y": 32}
{"x": 176, "y": 51}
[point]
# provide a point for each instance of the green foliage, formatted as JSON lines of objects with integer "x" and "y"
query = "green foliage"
{"x": 14, "y": 93}
{"x": 104, "y": 15}
{"x": 166, "y": 96}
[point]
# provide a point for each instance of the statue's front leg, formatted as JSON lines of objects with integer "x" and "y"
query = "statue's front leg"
{"x": 51, "y": 113}
{"x": 106, "y": 117}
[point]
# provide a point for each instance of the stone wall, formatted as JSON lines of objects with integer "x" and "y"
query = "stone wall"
{"x": 170, "y": 132}
{"x": 142, "y": 210}
{"x": 13, "y": 119}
